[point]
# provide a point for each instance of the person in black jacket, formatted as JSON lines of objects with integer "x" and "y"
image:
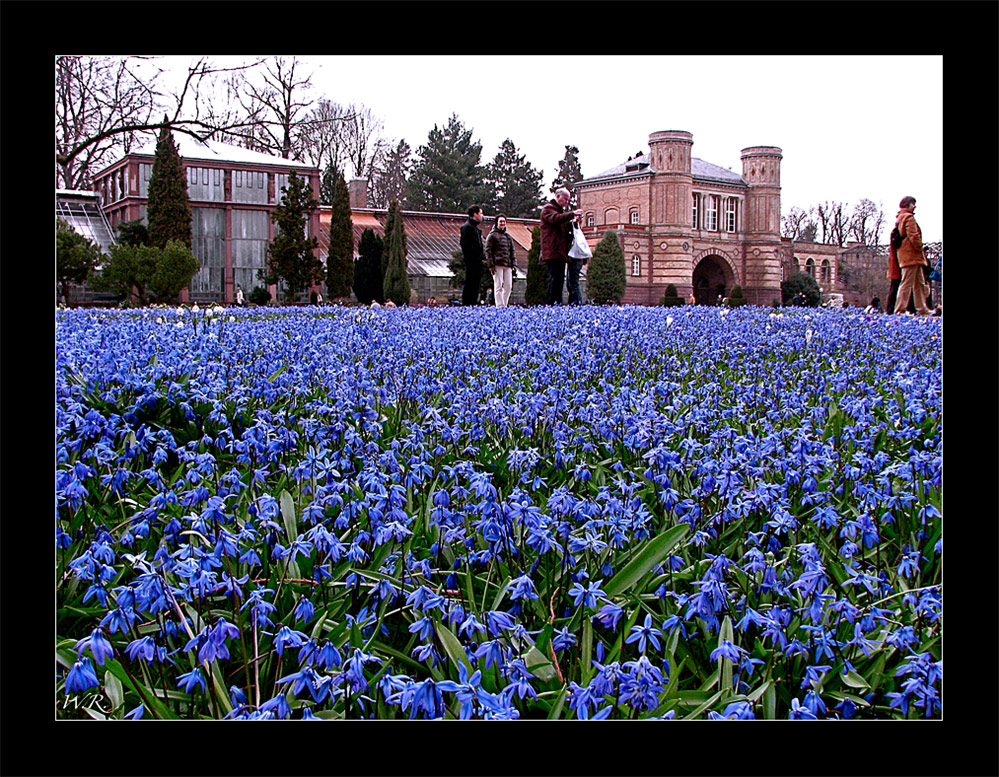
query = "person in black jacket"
{"x": 473, "y": 255}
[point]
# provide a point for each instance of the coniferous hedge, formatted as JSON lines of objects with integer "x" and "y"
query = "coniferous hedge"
{"x": 607, "y": 277}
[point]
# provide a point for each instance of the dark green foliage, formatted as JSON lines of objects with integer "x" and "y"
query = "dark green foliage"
{"x": 368, "y": 278}
{"x": 340, "y": 259}
{"x": 447, "y": 177}
{"x": 670, "y": 298}
{"x": 569, "y": 173}
{"x": 606, "y": 277}
{"x": 537, "y": 273}
{"x": 516, "y": 184}
{"x": 76, "y": 257}
{"x": 153, "y": 274}
{"x": 168, "y": 211}
{"x": 800, "y": 282}
{"x": 134, "y": 233}
{"x": 259, "y": 296}
{"x": 396, "y": 284}
{"x": 291, "y": 255}
{"x": 735, "y": 299}
{"x": 393, "y": 217}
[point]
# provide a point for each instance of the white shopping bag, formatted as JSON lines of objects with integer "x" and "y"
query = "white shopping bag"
{"x": 580, "y": 248}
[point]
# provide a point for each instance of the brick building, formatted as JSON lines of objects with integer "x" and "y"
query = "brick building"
{"x": 693, "y": 224}
{"x": 232, "y": 192}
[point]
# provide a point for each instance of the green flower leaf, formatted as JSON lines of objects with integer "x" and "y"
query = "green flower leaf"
{"x": 652, "y": 553}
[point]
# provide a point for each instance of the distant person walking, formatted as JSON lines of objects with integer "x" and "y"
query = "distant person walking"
{"x": 473, "y": 255}
{"x": 911, "y": 260}
{"x": 556, "y": 239}
{"x": 239, "y": 296}
{"x": 501, "y": 261}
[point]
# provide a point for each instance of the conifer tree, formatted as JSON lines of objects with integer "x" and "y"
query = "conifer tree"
{"x": 394, "y": 217}
{"x": 396, "y": 284}
{"x": 447, "y": 177}
{"x": 516, "y": 184}
{"x": 606, "y": 276}
{"x": 391, "y": 175}
{"x": 368, "y": 278}
{"x": 569, "y": 173}
{"x": 168, "y": 211}
{"x": 291, "y": 255}
{"x": 340, "y": 259}
{"x": 537, "y": 273}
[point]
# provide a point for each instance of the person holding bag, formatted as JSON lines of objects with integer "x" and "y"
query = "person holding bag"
{"x": 556, "y": 240}
{"x": 501, "y": 261}
{"x": 579, "y": 255}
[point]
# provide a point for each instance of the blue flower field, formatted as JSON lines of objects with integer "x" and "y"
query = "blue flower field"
{"x": 557, "y": 513}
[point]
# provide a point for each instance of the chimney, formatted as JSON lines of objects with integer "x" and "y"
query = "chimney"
{"x": 358, "y": 189}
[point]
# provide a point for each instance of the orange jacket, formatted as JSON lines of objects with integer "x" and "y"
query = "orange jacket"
{"x": 910, "y": 253}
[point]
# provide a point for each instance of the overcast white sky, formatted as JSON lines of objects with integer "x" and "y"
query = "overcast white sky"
{"x": 859, "y": 148}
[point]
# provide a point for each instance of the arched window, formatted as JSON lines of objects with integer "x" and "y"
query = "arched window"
{"x": 810, "y": 266}
{"x": 695, "y": 198}
{"x": 590, "y": 221}
{"x": 633, "y": 216}
{"x": 797, "y": 264}
{"x": 825, "y": 270}
{"x": 636, "y": 265}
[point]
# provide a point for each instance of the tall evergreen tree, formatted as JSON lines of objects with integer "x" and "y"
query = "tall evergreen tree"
{"x": 291, "y": 255}
{"x": 569, "y": 173}
{"x": 606, "y": 276}
{"x": 393, "y": 218}
{"x": 516, "y": 184}
{"x": 447, "y": 176}
{"x": 340, "y": 259}
{"x": 390, "y": 177}
{"x": 537, "y": 273}
{"x": 368, "y": 278}
{"x": 168, "y": 211}
{"x": 396, "y": 284}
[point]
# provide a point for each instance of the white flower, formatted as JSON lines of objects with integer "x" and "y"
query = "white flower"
{"x": 232, "y": 318}
{"x": 808, "y": 335}
{"x": 180, "y": 311}
{"x": 195, "y": 309}
{"x": 159, "y": 319}
{"x": 669, "y": 320}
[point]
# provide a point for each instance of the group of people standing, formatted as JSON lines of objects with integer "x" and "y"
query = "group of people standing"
{"x": 497, "y": 253}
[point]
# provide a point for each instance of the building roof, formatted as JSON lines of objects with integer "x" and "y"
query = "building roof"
{"x": 642, "y": 166}
{"x": 213, "y": 151}
{"x": 431, "y": 238}
{"x": 80, "y": 209}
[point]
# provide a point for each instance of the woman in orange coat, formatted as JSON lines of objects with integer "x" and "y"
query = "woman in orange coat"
{"x": 911, "y": 260}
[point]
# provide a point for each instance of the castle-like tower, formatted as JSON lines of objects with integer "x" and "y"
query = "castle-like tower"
{"x": 686, "y": 222}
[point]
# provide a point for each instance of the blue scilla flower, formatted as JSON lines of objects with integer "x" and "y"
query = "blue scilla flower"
{"x": 644, "y": 633}
{"x": 81, "y": 676}
{"x": 188, "y": 680}
{"x": 588, "y": 595}
{"x": 563, "y": 639}
{"x": 522, "y": 588}
{"x": 466, "y": 690}
{"x": 727, "y": 650}
{"x": 800, "y": 711}
{"x": 98, "y": 646}
{"x": 494, "y": 652}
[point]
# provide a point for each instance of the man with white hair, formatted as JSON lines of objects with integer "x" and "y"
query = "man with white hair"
{"x": 556, "y": 240}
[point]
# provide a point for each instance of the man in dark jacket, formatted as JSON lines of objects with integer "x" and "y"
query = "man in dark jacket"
{"x": 556, "y": 240}
{"x": 473, "y": 255}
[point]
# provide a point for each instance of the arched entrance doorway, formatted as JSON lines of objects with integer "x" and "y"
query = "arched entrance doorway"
{"x": 713, "y": 278}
